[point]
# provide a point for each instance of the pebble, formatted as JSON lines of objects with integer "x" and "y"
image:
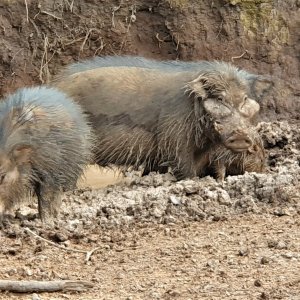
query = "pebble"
{"x": 59, "y": 237}
{"x": 243, "y": 252}
{"x": 257, "y": 283}
{"x": 288, "y": 255}
{"x": 190, "y": 187}
{"x": 281, "y": 245}
{"x": 35, "y": 297}
{"x": 175, "y": 200}
{"x": 264, "y": 260}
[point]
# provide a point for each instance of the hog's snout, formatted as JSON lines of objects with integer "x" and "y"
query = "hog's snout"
{"x": 239, "y": 141}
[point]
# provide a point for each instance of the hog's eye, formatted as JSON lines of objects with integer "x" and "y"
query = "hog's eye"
{"x": 221, "y": 98}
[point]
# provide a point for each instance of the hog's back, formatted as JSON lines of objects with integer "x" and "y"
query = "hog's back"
{"x": 127, "y": 94}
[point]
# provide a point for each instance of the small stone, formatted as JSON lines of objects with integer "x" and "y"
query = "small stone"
{"x": 257, "y": 283}
{"x": 173, "y": 293}
{"x": 35, "y": 297}
{"x": 169, "y": 220}
{"x": 264, "y": 296}
{"x": 243, "y": 252}
{"x": 281, "y": 245}
{"x": 12, "y": 272}
{"x": 288, "y": 255}
{"x": 280, "y": 212}
{"x": 12, "y": 251}
{"x": 59, "y": 237}
{"x": 264, "y": 260}
{"x": 167, "y": 231}
{"x": 224, "y": 198}
{"x": 175, "y": 200}
{"x": 190, "y": 187}
{"x": 157, "y": 212}
{"x": 28, "y": 272}
{"x": 272, "y": 244}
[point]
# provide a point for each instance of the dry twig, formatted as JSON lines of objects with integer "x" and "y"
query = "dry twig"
{"x": 45, "y": 61}
{"x": 100, "y": 48}
{"x": 132, "y": 19}
{"x": 159, "y": 39}
{"x": 44, "y": 286}
{"x": 35, "y": 27}
{"x": 71, "y": 5}
{"x": 87, "y": 37}
{"x": 49, "y": 14}
{"x": 27, "y": 14}
{"x": 220, "y": 29}
{"x": 87, "y": 253}
{"x": 240, "y": 56}
{"x": 114, "y": 9}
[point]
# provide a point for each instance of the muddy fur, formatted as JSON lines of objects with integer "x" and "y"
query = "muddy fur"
{"x": 256, "y": 91}
{"x": 45, "y": 143}
{"x": 221, "y": 162}
{"x": 152, "y": 117}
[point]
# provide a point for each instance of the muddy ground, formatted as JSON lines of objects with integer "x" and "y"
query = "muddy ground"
{"x": 160, "y": 239}
{"x": 156, "y": 238}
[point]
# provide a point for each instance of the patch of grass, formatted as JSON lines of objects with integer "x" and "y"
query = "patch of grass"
{"x": 260, "y": 17}
{"x": 177, "y": 3}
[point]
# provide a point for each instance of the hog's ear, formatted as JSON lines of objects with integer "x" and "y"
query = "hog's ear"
{"x": 22, "y": 154}
{"x": 260, "y": 85}
{"x": 196, "y": 87}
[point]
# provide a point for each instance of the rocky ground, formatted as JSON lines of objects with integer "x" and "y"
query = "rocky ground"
{"x": 160, "y": 239}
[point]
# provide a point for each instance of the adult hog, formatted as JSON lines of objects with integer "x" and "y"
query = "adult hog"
{"x": 164, "y": 115}
{"x": 45, "y": 143}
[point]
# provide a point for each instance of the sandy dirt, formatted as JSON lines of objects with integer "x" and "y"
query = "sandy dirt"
{"x": 248, "y": 257}
{"x": 96, "y": 178}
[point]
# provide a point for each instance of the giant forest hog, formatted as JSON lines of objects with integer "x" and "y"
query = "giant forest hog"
{"x": 45, "y": 143}
{"x": 165, "y": 114}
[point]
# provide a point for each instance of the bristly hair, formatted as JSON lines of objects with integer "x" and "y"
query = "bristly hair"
{"x": 60, "y": 139}
{"x": 252, "y": 160}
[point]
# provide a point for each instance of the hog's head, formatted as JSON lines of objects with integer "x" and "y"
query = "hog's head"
{"x": 15, "y": 153}
{"x": 255, "y": 159}
{"x": 13, "y": 176}
{"x": 222, "y": 95}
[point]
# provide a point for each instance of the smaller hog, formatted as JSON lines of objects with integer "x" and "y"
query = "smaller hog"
{"x": 45, "y": 143}
{"x": 220, "y": 161}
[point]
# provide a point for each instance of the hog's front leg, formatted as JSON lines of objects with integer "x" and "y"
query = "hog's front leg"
{"x": 220, "y": 170}
{"x": 49, "y": 202}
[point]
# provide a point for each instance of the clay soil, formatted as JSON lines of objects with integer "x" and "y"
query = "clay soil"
{"x": 155, "y": 238}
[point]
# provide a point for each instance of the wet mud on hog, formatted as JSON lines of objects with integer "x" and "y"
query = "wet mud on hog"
{"x": 162, "y": 116}
{"x": 45, "y": 143}
{"x": 220, "y": 161}
{"x": 258, "y": 85}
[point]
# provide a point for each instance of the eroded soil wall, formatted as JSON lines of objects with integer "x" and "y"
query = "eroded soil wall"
{"x": 39, "y": 38}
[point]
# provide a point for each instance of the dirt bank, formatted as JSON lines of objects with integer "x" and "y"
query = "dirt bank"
{"x": 262, "y": 36}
